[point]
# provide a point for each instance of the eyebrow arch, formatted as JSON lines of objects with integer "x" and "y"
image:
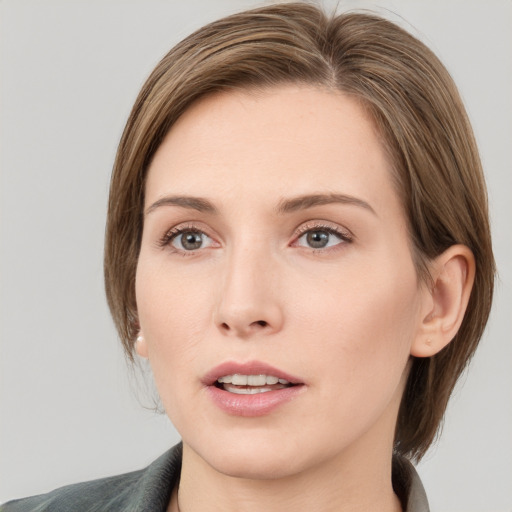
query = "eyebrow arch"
{"x": 194, "y": 203}
{"x": 308, "y": 201}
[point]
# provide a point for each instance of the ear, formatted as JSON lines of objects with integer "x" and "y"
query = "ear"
{"x": 141, "y": 346}
{"x": 453, "y": 274}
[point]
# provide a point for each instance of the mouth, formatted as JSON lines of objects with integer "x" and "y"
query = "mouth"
{"x": 251, "y": 389}
{"x": 241, "y": 384}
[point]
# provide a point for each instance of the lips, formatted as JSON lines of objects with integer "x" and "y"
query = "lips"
{"x": 252, "y": 369}
{"x": 250, "y": 389}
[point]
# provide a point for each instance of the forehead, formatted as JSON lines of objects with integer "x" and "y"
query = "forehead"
{"x": 290, "y": 139}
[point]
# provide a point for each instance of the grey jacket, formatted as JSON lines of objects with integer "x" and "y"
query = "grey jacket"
{"x": 149, "y": 490}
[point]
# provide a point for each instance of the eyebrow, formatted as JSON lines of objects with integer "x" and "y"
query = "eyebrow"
{"x": 284, "y": 206}
{"x": 309, "y": 201}
{"x": 193, "y": 203}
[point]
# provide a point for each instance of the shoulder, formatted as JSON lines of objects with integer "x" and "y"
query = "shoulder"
{"x": 99, "y": 494}
{"x": 148, "y": 489}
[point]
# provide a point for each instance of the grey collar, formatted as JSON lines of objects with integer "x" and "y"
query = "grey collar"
{"x": 408, "y": 486}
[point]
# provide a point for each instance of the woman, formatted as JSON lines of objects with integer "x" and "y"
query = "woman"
{"x": 298, "y": 242}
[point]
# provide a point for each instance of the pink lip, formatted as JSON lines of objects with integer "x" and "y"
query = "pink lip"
{"x": 249, "y": 368}
{"x": 259, "y": 404}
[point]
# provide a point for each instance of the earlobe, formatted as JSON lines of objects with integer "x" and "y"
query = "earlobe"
{"x": 453, "y": 274}
{"x": 141, "y": 347}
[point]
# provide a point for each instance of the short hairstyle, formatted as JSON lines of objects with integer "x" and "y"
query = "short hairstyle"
{"x": 418, "y": 112}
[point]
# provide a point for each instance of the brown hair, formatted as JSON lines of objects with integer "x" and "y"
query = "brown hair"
{"x": 415, "y": 106}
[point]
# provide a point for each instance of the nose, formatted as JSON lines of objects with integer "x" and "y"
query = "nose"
{"x": 249, "y": 299}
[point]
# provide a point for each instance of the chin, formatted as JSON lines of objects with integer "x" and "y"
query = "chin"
{"x": 257, "y": 466}
{"x": 255, "y": 459}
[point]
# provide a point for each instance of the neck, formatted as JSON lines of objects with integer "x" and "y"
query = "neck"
{"x": 340, "y": 484}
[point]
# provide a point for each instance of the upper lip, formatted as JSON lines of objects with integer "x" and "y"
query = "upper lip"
{"x": 248, "y": 368}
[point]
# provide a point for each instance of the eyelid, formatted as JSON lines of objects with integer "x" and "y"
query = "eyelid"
{"x": 165, "y": 241}
{"x": 344, "y": 233}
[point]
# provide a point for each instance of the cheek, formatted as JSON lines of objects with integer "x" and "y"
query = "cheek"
{"x": 168, "y": 309}
{"x": 365, "y": 344}
{"x": 365, "y": 322}
{"x": 171, "y": 309}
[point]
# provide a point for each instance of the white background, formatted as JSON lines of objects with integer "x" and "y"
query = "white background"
{"x": 70, "y": 71}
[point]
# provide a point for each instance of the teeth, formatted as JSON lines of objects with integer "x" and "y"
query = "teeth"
{"x": 255, "y": 380}
{"x": 239, "y": 380}
{"x": 245, "y": 391}
{"x": 251, "y": 380}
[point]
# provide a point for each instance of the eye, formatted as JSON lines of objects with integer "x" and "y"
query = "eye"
{"x": 188, "y": 239}
{"x": 318, "y": 239}
{"x": 321, "y": 237}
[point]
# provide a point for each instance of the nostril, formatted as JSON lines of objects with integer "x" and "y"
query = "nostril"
{"x": 245, "y": 329}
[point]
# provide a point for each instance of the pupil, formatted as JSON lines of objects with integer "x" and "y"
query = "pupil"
{"x": 318, "y": 239}
{"x": 191, "y": 241}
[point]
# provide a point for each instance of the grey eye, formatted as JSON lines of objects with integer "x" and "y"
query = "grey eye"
{"x": 317, "y": 239}
{"x": 190, "y": 240}
{"x": 320, "y": 238}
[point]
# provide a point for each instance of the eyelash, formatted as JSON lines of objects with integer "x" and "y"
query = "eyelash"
{"x": 173, "y": 233}
{"x": 344, "y": 235}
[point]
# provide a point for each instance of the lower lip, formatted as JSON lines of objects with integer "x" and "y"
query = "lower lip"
{"x": 258, "y": 404}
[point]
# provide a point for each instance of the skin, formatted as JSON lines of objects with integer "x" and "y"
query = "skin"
{"x": 344, "y": 318}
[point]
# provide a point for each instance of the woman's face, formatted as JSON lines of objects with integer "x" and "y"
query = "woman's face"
{"x": 274, "y": 243}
